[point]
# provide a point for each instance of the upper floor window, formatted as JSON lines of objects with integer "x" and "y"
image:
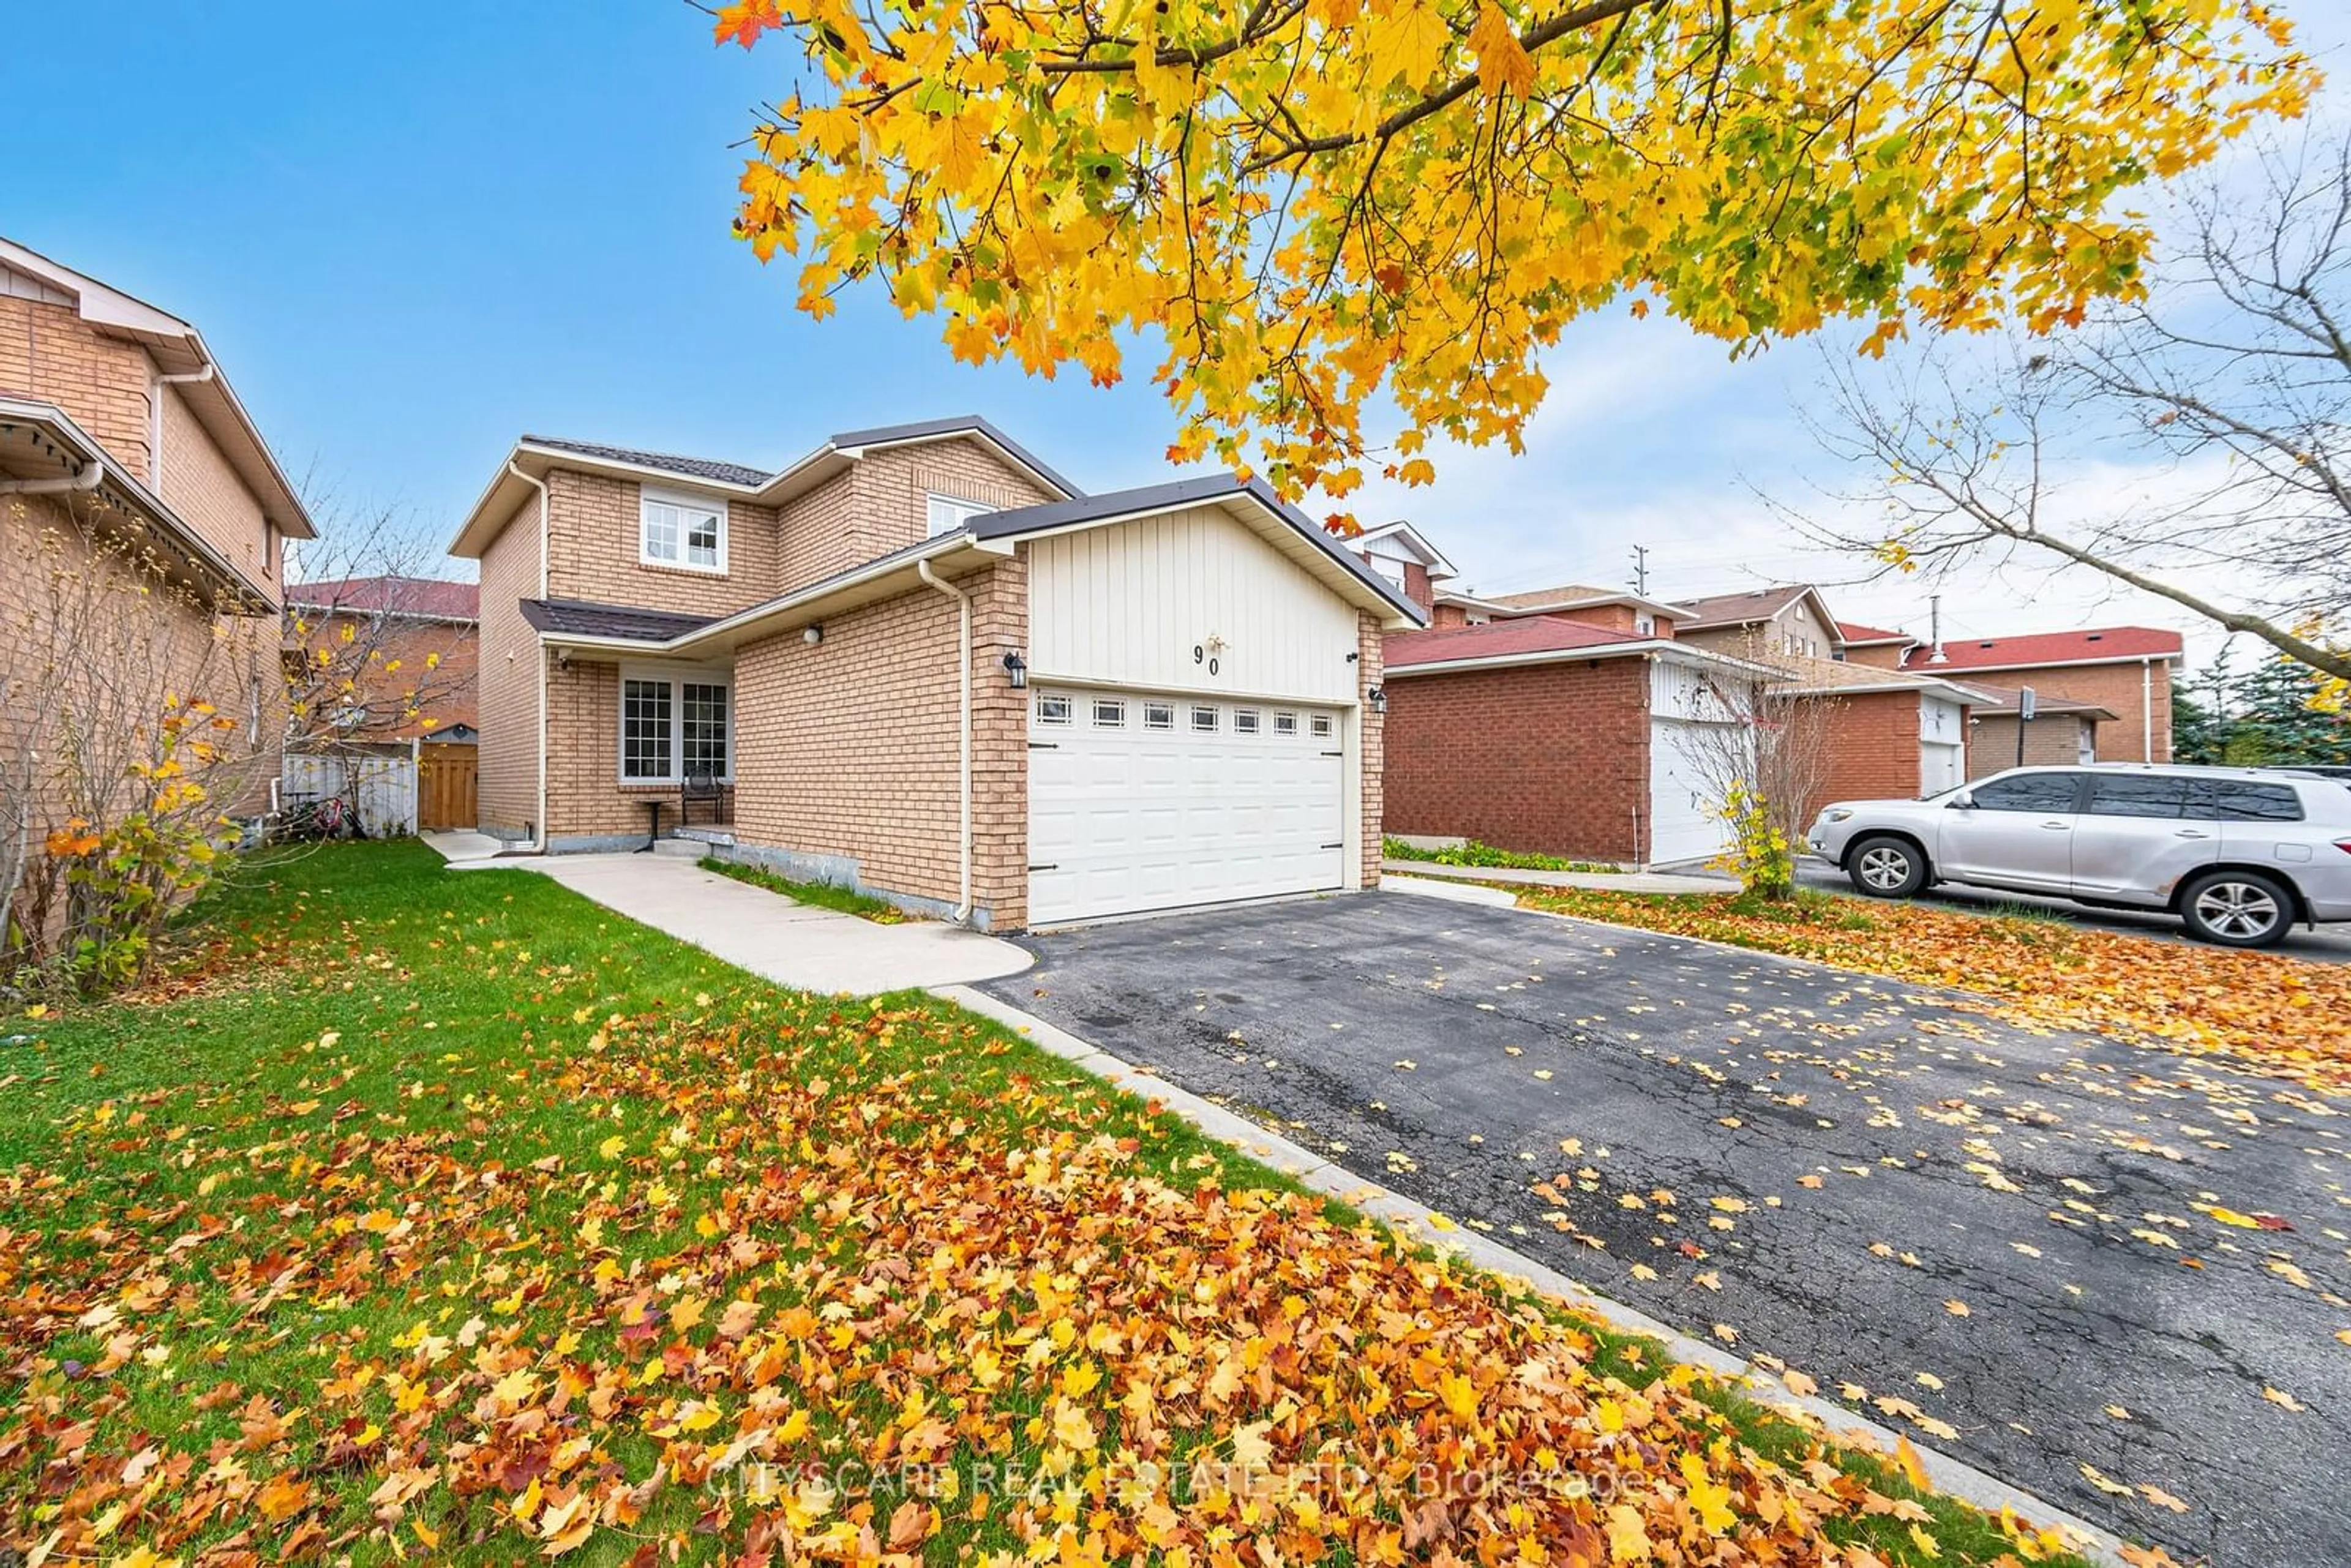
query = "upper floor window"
{"x": 682, "y": 530}
{"x": 949, "y": 513}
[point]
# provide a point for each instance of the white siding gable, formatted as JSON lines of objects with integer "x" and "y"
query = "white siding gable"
{"x": 1189, "y": 601}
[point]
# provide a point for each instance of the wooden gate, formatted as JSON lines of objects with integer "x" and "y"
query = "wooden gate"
{"x": 446, "y": 778}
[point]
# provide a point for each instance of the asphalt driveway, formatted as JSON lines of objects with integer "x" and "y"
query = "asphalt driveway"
{"x": 2111, "y": 1275}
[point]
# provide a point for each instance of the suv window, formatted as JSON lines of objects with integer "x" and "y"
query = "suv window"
{"x": 2028, "y": 792}
{"x": 2132, "y": 795}
{"x": 2243, "y": 800}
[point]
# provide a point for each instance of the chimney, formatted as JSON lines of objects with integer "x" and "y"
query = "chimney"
{"x": 1935, "y": 654}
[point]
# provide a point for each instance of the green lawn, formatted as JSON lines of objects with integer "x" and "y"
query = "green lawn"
{"x": 448, "y": 1215}
{"x": 822, "y": 894}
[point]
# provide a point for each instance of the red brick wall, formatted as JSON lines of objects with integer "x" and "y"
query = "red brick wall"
{"x": 446, "y": 692}
{"x": 2122, "y": 688}
{"x": 1873, "y": 747}
{"x": 1446, "y": 616}
{"x": 1546, "y": 758}
{"x": 1886, "y": 658}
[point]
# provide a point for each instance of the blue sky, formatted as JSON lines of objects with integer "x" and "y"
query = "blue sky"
{"x": 412, "y": 241}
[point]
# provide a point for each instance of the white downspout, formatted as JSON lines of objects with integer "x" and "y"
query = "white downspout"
{"x": 538, "y": 818}
{"x": 84, "y": 479}
{"x": 2146, "y": 708}
{"x": 155, "y": 437}
{"x": 962, "y": 660}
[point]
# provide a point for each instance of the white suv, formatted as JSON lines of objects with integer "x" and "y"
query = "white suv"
{"x": 2238, "y": 854}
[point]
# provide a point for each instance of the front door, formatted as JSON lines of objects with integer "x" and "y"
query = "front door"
{"x": 2017, "y": 831}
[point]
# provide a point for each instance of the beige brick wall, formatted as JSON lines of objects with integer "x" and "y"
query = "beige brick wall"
{"x": 48, "y": 352}
{"x": 850, "y": 750}
{"x": 199, "y": 485}
{"x": 1373, "y": 760}
{"x": 79, "y": 638}
{"x": 108, "y": 388}
{"x": 585, "y": 797}
{"x": 508, "y": 680}
{"x": 883, "y": 504}
{"x": 593, "y": 538}
{"x": 2052, "y": 739}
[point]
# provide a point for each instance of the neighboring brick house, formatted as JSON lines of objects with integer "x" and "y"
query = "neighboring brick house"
{"x": 1877, "y": 735}
{"x": 408, "y": 646}
{"x": 1398, "y": 552}
{"x": 142, "y": 520}
{"x": 1872, "y": 645}
{"x": 1763, "y": 624}
{"x": 1543, "y": 732}
{"x": 2061, "y": 731}
{"x": 1612, "y": 607}
{"x": 2124, "y": 669}
{"x": 919, "y": 662}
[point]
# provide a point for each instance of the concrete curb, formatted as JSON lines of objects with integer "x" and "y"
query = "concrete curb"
{"x": 1418, "y": 1223}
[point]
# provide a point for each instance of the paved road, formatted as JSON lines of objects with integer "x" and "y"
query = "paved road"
{"x": 2325, "y": 945}
{"x": 1824, "y": 1162}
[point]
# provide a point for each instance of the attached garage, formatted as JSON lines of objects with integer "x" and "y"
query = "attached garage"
{"x": 1196, "y": 729}
{"x": 1686, "y": 819}
{"x": 1159, "y": 800}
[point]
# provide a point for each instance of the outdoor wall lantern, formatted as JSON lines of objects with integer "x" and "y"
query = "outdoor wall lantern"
{"x": 1016, "y": 670}
{"x": 1379, "y": 699}
{"x": 813, "y": 635}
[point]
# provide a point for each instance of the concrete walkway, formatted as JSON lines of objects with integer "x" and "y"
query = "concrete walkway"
{"x": 1606, "y": 881}
{"x": 462, "y": 845}
{"x": 794, "y": 945}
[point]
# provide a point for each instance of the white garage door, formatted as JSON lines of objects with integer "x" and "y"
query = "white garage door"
{"x": 1942, "y": 764}
{"x": 1685, "y": 821}
{"x": 1139, "y": 802}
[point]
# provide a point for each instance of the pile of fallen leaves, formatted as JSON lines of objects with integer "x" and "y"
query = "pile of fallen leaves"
{"x": 2282, "y": 1015}
{"x": 789, "y": 1288}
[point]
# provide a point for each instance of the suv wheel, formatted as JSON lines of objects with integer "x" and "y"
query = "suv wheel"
{"x": 2237, "y": 908}
{"x": 1884, "y": 866}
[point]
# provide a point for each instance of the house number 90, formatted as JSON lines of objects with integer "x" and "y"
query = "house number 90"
{"x": 1200, "y": 656}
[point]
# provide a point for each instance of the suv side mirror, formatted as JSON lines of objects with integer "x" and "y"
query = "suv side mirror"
{"x": 1963, "y": 803}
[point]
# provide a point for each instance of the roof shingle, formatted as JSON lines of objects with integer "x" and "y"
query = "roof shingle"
{"x": 429, "y": 597}
{"x": 2095, "y": 645}
{"x": 578, "y": 618}
{"x": 670, "y": 462}
{"x": 1502, "y": 639}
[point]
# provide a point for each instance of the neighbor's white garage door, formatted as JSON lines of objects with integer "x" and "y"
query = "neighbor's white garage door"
{"x": 1685, "y": 817}
{"x": 1140, "y": 802}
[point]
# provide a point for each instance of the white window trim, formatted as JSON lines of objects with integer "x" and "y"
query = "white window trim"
{"x": 936, "y": 498}
{"x": 673, "y": 677}
{"x": 652, "y": 496}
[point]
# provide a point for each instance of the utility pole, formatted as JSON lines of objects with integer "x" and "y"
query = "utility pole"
{"x": 1641, "y": 570}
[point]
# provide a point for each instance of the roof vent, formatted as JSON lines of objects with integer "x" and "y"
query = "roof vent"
{"x": 2093, "y": 636}
{"x": 1984, "y": 645}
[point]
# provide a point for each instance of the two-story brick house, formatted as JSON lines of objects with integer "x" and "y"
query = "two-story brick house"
{"x": 920, "y": 662}
{"x": 143, "y": 521}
